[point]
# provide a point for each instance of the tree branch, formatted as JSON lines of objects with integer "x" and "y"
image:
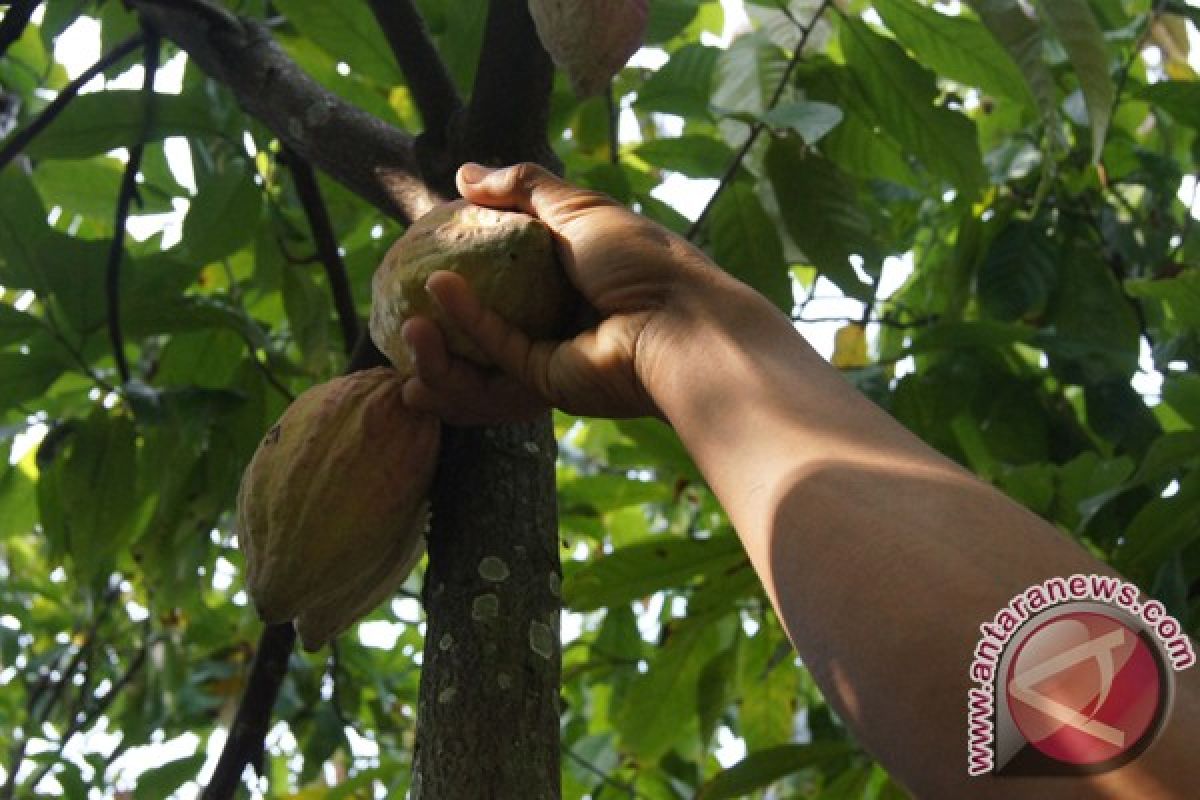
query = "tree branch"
{"x": 509, "y": 106}
{"x": 432, "y": 87}
{"x": 14, "y": 22}
{"x": 327, "y": 246}
{"x": 371, "y": 158}
{"x": 756, "y": 131}
{"x": 253, "y": 719}
{"x": 128, "y": 190}
{"x": 68, "y": 93}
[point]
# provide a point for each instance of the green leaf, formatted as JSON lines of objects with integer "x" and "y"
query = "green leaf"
{"x": 24, "y": 376}
{"x": 349, "y": 33}
{"x": 96, "y": 123}
{"x": 957, "y": 47}
{"x": 640, "y": 569}
{"x": 160, "y": 782}
{"x": 1094, "y": 332}
{"x": 22, "y": 227}
{"x": 683, "y": 85}
{"x": 662, "y": 704}
{"x": 16, "y": 326}
{"x": 761, "y": 769}
{"x": 86, "y": 187}
{"x": 811, "y": 120}
{"x": 1019, "y": 272}
{"x": 819, "y": 205}
{"x": 1180, "y": 99}
{"x": 1179, "y": 295}
{"x": 745, "y": 242}
{"x": 87, "y": 495}
{"x": 1077, "y": 29}
{"x": 1164, "y": 526}
{"x": 308, "y": 311}
{"x": 223, "y": 216}
{"x": 1022, "y": 38}
{"x": 693, "y": 155}
{"x": 903, "y": 94}
{"x": 668, "y": 18}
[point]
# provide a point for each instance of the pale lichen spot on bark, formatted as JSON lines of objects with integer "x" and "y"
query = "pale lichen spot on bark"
{"x": 555, "y": 584}
{"x": 485, "y": 606}
{"x": 319, "y": 113}
{"x": 446, "y": 642}
{"x": 532, "y": 448}
{"x": 541, "y": 639}
{"x": 296, "y": 129}
{"x": 504, "y": 680}
{"x": 447, "y": 695}
{"x": 493, "y": 569}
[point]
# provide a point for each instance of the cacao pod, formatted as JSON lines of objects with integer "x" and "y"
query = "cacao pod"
{"x": 332, "y": 509}
{"x": 590, "y": 40}
{"x": 508, "y": 257}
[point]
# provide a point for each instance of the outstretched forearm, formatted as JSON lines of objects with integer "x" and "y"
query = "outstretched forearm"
{"x": 881, "y": 557}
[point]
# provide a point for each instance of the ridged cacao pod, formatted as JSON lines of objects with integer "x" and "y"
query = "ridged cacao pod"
{"x": 332, "y": 509}
{"x": 508, "y": 257}
{"x": 590, "y": 39}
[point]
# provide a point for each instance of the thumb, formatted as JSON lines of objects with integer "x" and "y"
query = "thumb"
{"x": 529, "y": 188}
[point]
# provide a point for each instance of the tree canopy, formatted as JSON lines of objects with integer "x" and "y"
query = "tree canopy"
{"x": 1027, "y": 169}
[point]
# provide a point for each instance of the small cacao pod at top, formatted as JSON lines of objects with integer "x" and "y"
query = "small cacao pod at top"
{"x": 508, "y": 257}
{"x": 332, "y": 509}
{"x": 590, "y": 40}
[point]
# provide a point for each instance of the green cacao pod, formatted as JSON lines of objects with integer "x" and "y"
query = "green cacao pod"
{"x": 508, "y": 257}
{"x": 332, "y": 509}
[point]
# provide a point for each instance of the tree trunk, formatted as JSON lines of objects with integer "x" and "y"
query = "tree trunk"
{"x": 488, "y": 708}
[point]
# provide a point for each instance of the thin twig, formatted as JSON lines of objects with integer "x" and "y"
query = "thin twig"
{"x": 86, "y": 719}
{"x": 757, "y": 129}
{"x": 327, "y": 247}
{"x": 15, "y": 21}
{"x": 23, "y": 137}
{"x": 432, "y": 88}
{"x": 627, "y": 788}
{"x": 247, "y": 734}
{"x": 56, "y": 688}
{"x": 128, "y": 190}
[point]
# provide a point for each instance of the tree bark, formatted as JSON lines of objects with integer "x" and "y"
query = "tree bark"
{"x": 488, "y": 709}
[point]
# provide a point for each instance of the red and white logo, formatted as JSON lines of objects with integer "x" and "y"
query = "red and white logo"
{"x": 1084, "y": 688}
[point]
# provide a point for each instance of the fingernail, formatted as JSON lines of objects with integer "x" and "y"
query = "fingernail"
{"x": 473, "y": 173}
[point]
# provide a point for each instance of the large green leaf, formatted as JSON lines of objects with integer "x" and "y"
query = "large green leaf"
{"x": 745, "y": 242}
{"x": 96, "y": 123}
{"x": 760, "y": 770}
{"x": 641, "y": 569}
{"x": 1019, "y": 272}
{"x": 956, "y": 47}
{"x": 1023, "y": 39}
{"x": 1076, "y": 27}
{"x": 662, "y": 704}
{"x": 87, "y": 495}
{"x": 348, "y": 32}
{"x": 691, "y": 154}
{"x": 1180, "y": 99}
{"x": 904, "y": 94}
{"x": 682, "y": 86}
{"x": 22, "y": 227}
{"x": 820, "y": 207}
{"x": 223, "y": 215}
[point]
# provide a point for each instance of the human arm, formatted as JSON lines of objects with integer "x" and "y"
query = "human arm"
{"x": 881, "y": 557}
